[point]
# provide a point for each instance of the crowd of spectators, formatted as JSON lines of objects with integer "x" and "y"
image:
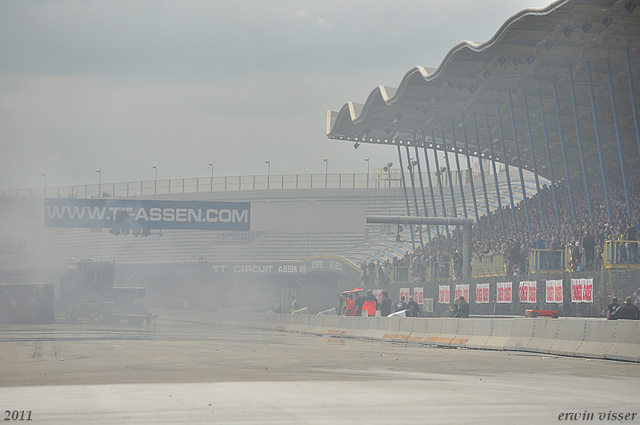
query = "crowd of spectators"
{"x": 580, "y": 235}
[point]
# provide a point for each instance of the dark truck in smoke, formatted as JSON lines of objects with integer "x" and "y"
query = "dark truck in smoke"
{"x": 87, "y": 290}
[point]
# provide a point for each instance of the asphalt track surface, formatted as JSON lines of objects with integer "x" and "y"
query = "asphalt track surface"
{"x": 189, "y": 373}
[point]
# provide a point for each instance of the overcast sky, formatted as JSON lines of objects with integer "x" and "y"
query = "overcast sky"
{"x": 123, "y": 85}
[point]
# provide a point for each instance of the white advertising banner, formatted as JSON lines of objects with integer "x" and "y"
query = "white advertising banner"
{"x": 554, "y": 292}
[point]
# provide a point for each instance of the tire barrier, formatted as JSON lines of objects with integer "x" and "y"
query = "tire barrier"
{"x": 578, "y": 337}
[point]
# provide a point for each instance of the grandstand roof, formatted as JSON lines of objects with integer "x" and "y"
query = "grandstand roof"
{"x": 531, "y": 52}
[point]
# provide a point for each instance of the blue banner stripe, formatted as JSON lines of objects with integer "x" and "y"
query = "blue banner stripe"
{"x": 140, "y": 214}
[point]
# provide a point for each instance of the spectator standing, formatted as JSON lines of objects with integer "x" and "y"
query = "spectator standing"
{"x": 463, "y": 308}
{"x": 413, "y": 309}
{"x": 401, "y": 305}
{"x": 358, "y": 301}
{"x": 385, "y": 304}
{"x": 369, "y": 303}
{"x": 629, "y": 311}
{"x": 613, "y": 310}
{"x": 631, "y": 244}
{"x": 351, "y": 306}
{"x": 453, "y": 310}
{"x": 589, "y": 245}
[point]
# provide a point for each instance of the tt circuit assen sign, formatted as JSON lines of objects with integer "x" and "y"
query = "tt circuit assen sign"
{"x": 141, "y": 214}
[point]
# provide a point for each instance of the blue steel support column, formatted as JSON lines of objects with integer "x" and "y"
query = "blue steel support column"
{"x": 515, "y": 143}
{"x": 453, "y": 196}
{"x": 484, "y": 183}
{"x": 506, "y": 167}
{"x": 564, "y": 151}
{"x": 533, "y": 156}
{"x": 615, "y": 123}
{"x": 633, "y": 97}
{"x": 413, "y": 188}
{"x": 495, "y": 175}
{"x": 597, "y": 132}
{"x": 439, "y": 175}
{"x": 473, "y": 190}
{"x": 455, "y": 148}
{"x": 446, "y": 158}
{"x": 424, "y": 199}
{"x": 433, "y": 199}
{"x": 406, "y": 196}
{"x": 578, "y": 136}
{"x": 549, "y": 162}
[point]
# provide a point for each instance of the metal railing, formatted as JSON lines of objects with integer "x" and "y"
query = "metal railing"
{"x": 492, "y": 265}
{"x": 620, "y": 255}
{"x": 377, "y": 179}
{"x": 547, "y": 260}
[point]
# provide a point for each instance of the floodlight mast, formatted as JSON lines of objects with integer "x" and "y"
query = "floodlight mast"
{"x": 466, "y": 224}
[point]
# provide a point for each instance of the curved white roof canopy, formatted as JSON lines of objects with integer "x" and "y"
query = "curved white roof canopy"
{"x": 531, "y": 50}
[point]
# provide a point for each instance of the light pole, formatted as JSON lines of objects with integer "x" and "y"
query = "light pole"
{"x": 45, "y": 185}
{"x": 268, "y": 172}
{"x": 326, "y": 171}
{"x": 155, "y": 182}
{"x": 387, "y": 168}
{"x": 211, "y": 165}
{"x": 367, "y": 161}
{"x": 99, "y": 171}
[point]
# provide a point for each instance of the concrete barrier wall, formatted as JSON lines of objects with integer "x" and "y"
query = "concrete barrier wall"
{"x": 594, "y": 338}
{"x": 500, "y": 333}
{"x": 545, "y": 334}
{"x": 626, "y": 345}
{"x": 480, "y": 334}
{"x": 521, "y": 334}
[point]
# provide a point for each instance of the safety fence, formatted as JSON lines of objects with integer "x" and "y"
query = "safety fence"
{"x": 615, "y": 255}
{"x": 620, "y": 254}
{"x": 492, "y": 265}
{"x": 542, "y": 261}
{"x": 377, "y": 179}
{"x": 579, "y": 337}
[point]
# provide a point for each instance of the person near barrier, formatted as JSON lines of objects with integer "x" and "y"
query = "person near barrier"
{"x": 400, "y": 305}
{"x": 358, "y": 300}
{"x": 629, "y": 311}
{"x": 385, "y": 304}
{"x": 342, "y": 304}
{"x": 413, "y": 309}
{"x": 351, "y": 306}
{"x": 294, "y": 304}
{"x": 369, "y": 303}
{"x": 613, "y": 310}
{"x": 453, "y": 309}
{"x": 463, "y": 308}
